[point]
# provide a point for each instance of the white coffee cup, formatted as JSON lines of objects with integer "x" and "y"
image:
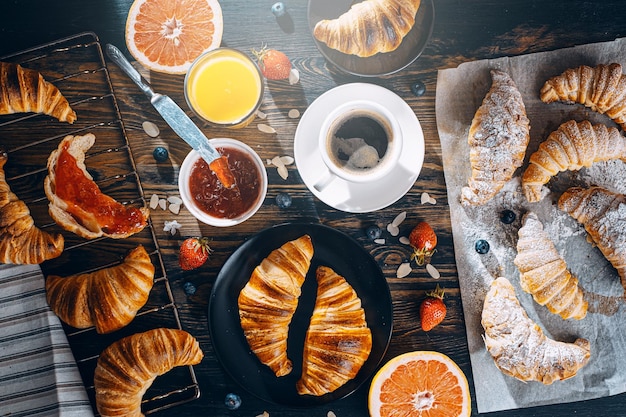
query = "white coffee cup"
{"x": 359, "y": 142}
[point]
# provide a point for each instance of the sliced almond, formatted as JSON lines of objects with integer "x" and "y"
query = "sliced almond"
{"x": 283, "y": 172}
{"x": 404, "y": 240}
{"x": 154, "y": 201}
{"x": 265, "y": 128}
{"x": 393, "y": 230}
{"x": 261, "y": 115}
{"x": 151, "y": 129}
{"x": 379, "y": 241}
{"x": 293, "y": 113}
{"x": 403, "y": 270}
{"x": 276, "y": 161}
{"x": 174, "y": 200}
{"x": 433, "y": 271}
{"x": 399, "y": 219}
{"x": 287, "y": 160}
{"x": 294, "y": 76}
{"x": 174, "y": 208}
{"x": 163, "y": 203}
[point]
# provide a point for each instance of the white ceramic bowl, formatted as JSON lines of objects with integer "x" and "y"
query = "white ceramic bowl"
{"x": 190, "y": 204}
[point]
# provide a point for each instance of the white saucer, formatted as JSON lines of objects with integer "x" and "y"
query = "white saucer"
{"x": 359, "y": 197}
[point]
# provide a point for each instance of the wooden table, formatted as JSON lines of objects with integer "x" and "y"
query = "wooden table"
{"x": 464, "y": 31}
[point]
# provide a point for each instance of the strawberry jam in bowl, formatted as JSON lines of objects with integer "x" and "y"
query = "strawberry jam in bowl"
{"x": 208, "y": 200}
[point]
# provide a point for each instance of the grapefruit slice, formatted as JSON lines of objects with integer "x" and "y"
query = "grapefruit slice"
{"x": 419, "y": 384}
{"x": 168, "y": 35}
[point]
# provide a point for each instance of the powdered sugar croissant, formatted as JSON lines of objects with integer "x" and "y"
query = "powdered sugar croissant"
{"x": 571, "y": 147}
{"x": 270, "y": 298}
{"x": 518, "y": 345}
{"x": 338, "y": 341}
{"x": 498, "y": 137}
{"x": 25, "y": 90}
{"x": 128, "y": 367}
{"x": 601, "y": 88}
{"x": 108, "y": 298}
{"x": 544, "y": 274}
{"x": 603, "y": 214}
{"x": 369, "y": 27}
{"x": 21, "y": 242}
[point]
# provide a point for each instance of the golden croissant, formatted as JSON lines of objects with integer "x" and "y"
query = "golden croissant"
{"x": 544, "y": 274}
{"x": 601, "y": 88}
{"x": 369, "y": 27}
{"x": 518, "y": 345}
{"x": 498, "y": 137}
{"x": 108, "y": 298}
{"x": 603, "y": 214}
{"x": 25, "y": 90}
{"x": 76, "y": 202}
{"x": 270, "y": 298}
{"x": 21, "y": 242}
{"x": 338, "y": 341}
{"x": 128, "y": 367}
{"x": 571, "y": 147}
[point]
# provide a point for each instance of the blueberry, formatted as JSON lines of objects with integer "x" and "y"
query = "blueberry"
{"x": 232, "y": 401}
{"x": 278, "y": 9}
{"x": 482, "y": 246}
{"x": 507, "y": 216}
{"x": 160, "y": 154}
{"x": 189, "y": 288}
{"x": 283, "y": 200}
{"x": 418, "y": 88}
{"x": 373, "y": 232}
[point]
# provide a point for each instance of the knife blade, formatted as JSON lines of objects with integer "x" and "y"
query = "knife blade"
{"x": 176, "y": 118}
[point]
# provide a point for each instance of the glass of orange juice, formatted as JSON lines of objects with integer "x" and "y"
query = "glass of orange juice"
{"x": 224, "y": 87}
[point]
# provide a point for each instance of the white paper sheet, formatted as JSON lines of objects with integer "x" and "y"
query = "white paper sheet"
{"x": 459, "y": 93}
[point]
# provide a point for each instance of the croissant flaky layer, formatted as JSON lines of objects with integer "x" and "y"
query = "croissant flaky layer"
{"x": 572, "y": 146}
{"x": 601, "y": 88}
{"x": 270, "y": 298}
{"x": 338, "y": 340}
{"x": 25, "y": 90}
{"x": 544, "y": 274}
{"x": 498, "y": 137}
{"x": 21, "y": 242}
{"x": 603, "y": 214}
{"x": 518, "y": 345}
{"x": 76, "y": 202}
{"x": 108, "y": 298}
{"x": 126, "y": 369}
{"x": 369, "y": 27}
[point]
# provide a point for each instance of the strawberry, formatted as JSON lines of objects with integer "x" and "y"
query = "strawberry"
{"x": 423, "y": 241}
{"x": 273, "y": 64}
{"x": 433, "y": 309}
{"x": 194, "y": 252}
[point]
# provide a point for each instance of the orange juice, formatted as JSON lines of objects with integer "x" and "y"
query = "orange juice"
{"x": 224, "y": 87}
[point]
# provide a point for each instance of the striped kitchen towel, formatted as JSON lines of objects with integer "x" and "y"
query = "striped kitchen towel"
{"x": 38, "y": 373}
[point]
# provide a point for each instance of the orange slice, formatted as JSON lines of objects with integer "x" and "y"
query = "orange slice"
{"x": 420, "y": 384}
{"x": 168, "y": 35}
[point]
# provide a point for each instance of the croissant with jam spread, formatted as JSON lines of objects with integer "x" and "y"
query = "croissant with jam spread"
{"x": 76, "y": 202}
{"x": 25, "y": 90}
{"x": 21, "y": 242}
{"x": 270, "y": 298}
{"x": 369, "y": 27}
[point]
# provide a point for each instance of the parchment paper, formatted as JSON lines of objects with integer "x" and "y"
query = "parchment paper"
{"x": 459, "y": 93}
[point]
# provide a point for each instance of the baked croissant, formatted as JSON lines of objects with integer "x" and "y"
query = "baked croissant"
{"x": 270, "y": 298}
{"x": 25, "y": 90}
{"x": 369, "y": 27}
{"x": 603, "y": 214}
{"x": 601, "y": 88}
{"x": 544, "y": 274}
{"x": 108, "y": 298}
{"x": 498, "y": 137}
{"x": 21, "y": 242}
{"x": 76, "y": 202}
{"x": 518, "y": 345}
{"x": 338, "y": 341}
{"x": 571, "y": 147}
{"x": 128, "y": 367}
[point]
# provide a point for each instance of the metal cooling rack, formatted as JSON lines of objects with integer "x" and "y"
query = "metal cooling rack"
{"x": 77, "y": 67}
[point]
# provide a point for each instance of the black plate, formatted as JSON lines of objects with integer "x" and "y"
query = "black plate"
{"x": 409, "y": 50}
{"x": 332, "y": 248}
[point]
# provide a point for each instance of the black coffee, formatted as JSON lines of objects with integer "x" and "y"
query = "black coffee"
{"x": 366, "y": 128}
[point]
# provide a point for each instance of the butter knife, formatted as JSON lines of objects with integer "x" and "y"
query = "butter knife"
{"x": 177, "y": 119}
